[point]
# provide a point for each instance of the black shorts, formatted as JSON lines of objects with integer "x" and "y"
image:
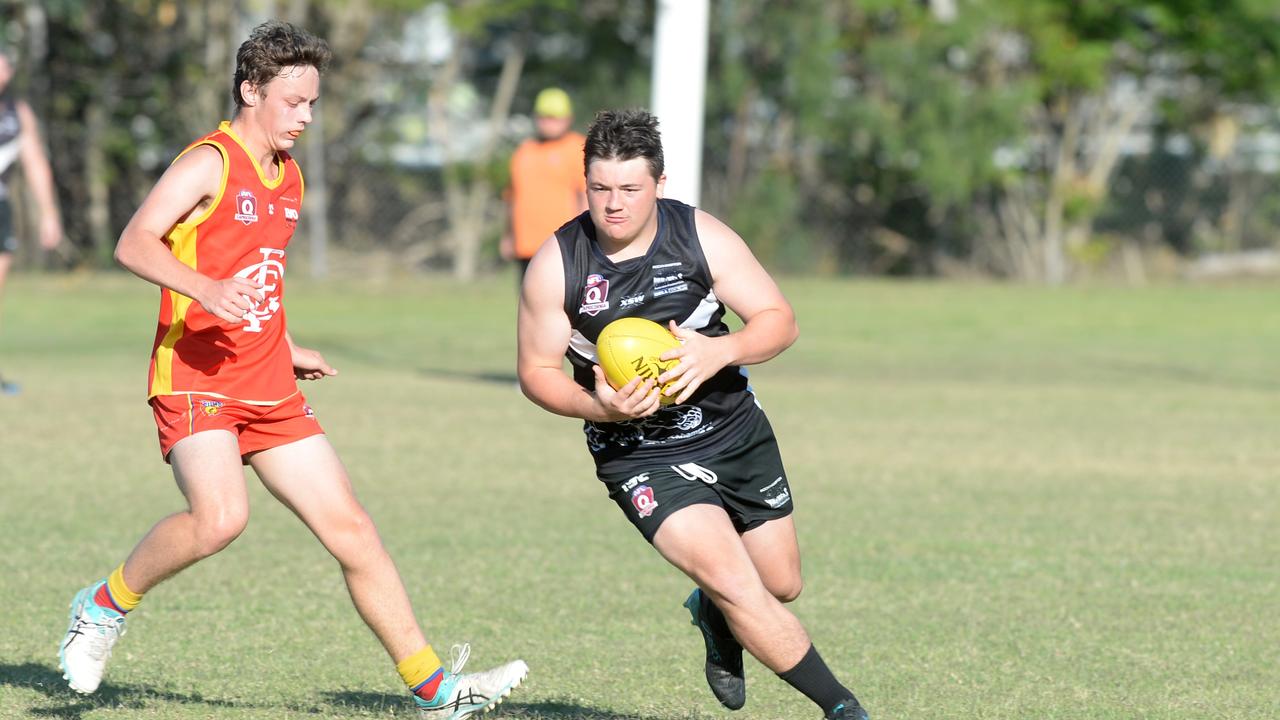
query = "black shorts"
{"x": 8, "y": 242}
{"x": 746, "y": 479}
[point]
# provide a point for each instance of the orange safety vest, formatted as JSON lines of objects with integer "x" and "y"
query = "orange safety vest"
{"x": 547, "y": 180}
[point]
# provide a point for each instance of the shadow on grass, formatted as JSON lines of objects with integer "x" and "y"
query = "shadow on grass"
{"x": 342, "y": 350}
{"x": 48, "y": 682}
{"x": 494, "y": 378}
{"x": 67, "y": 705}
{"x": 554, "y": 710}
{"x": 551, "y": 710}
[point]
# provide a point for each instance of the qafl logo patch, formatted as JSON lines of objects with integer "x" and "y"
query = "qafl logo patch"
{"x": 246, "y": 207}
{"x": 210, "y": 407}
{"x": 595, "y": 296}
{"x": 642, "y": 499}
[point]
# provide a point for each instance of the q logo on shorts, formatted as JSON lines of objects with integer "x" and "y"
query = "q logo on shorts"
{"x": 642, "y": 499}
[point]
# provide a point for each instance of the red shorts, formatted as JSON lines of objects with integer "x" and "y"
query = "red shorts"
{"x": 257, "y": 427}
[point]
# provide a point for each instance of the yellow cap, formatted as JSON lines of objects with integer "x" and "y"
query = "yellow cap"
{"x": 553, "y": 102}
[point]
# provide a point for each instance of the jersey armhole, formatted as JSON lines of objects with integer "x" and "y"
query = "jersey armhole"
{"x": 703, "y": 263}
{"x": 222, "y": 184}
{"x": 570, "y": 271}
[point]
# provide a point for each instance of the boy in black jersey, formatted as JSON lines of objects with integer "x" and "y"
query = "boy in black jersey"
{"x": 701, "y": 479}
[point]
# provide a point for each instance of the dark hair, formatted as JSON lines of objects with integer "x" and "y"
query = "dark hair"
{"x": 272, "y": 47}
{"x": 625, "y": 135}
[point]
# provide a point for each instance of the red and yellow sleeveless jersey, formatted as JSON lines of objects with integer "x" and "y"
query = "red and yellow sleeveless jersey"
{"x": 244, "y": 233}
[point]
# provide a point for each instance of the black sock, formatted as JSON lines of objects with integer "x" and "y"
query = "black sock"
{"x": 812, "y": 677}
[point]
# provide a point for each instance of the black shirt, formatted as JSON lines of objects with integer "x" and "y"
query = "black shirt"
{"x": 670, "y": 282}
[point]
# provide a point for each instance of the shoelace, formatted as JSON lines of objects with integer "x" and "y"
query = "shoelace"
{"x": 458, "y": 655}
{"x": 100, "y": 636}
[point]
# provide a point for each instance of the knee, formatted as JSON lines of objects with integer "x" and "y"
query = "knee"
{"x": 352, "y": 536}
{"x": 732, "y": 593}
{"x": 788, "y": 590}
{"x": 215, "y": 531}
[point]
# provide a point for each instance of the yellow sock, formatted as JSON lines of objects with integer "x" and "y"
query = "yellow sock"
{"x": 121, "y": 595}
{"x": 422, "y": 672}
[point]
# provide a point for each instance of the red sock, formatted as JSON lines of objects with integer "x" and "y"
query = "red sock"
{"x": 427, "y": 690}
{"x": 103, "y": 599}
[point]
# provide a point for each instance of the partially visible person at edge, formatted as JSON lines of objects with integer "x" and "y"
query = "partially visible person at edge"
{"x": 20, "y": 141}
{"x": 547, "y": 187}
{"x": 213, "y": 234}
{"x": 701, "y": 479}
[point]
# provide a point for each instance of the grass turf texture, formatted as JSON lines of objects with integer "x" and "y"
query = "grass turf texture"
{"x": 1012, "y": 502}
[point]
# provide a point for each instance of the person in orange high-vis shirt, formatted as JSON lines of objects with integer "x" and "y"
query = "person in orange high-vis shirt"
{"x": 548, "y": 181}
{"x": 214, "y": 235}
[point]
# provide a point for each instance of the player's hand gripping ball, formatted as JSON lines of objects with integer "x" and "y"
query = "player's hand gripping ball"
{"x": 630, "y": 347}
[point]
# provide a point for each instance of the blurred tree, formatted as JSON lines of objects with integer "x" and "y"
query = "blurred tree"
{"x": 856, "y": 133}
{"x": 509, "y": 50}
{"x": 885, "y": 136}
{"x": 891, "y": 135}
{"x": 1101, "y": 67}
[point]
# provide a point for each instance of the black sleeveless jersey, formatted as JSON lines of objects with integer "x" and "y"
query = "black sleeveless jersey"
{"x": 670, "y": 282}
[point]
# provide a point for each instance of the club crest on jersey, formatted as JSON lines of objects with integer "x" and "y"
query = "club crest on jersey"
{"x": 269, "y": 273}
{"x": 595, "y": 296}
{"x": 246, "y": 207}
{"x": 642, "y": 498}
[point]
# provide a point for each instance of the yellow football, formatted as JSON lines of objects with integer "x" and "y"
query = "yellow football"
{"x": 630, "y": 347}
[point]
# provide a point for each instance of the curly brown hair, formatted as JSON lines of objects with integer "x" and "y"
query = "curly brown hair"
{"x": 272, "y": 47}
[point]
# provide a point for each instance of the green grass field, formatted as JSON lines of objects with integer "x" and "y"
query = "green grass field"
{"x": 1013, "y": 503}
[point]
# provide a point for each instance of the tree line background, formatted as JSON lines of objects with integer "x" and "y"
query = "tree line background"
{"x": 1036, "y": 140}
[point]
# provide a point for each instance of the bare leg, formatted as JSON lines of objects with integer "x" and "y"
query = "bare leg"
{"x": 776, "y": 554}
{"x": 309, "y": 479}
{"x": 210, "y": 476}
{"x": 701, "y": 541}
{"x": 6, "y": 260}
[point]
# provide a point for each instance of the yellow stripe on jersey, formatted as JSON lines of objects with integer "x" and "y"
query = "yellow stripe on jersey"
{"x": 182, "y": 242}
{"x": 183, "y": 239}
{"x": 222, "y": 185}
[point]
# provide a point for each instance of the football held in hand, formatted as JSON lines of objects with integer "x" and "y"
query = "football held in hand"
{"x": 631, "y": 347}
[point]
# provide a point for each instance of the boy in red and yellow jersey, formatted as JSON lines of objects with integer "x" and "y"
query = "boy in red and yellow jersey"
{"x": 213, "y": 234}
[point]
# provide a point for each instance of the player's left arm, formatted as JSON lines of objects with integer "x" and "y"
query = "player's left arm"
{"x": 39, "y": 174}
{"x": 743, "y": 285}
{"x": 308, "y": 364}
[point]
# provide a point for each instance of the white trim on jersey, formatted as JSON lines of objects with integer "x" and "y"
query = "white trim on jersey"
{"x": 583, "y": 347}
{"x": 701, "y": 315}
{"x": 9, "y": 153}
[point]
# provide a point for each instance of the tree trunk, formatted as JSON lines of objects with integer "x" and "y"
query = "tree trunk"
{"x": 480, "y": 195}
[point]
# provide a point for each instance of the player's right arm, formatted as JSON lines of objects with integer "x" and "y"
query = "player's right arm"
{"x": 543, "y": 333}
{"x": 183, "y": 192}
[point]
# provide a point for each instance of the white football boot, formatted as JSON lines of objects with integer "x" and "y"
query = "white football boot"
{"x": 462, "y": 696}
{"x": 91, "y": 633}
